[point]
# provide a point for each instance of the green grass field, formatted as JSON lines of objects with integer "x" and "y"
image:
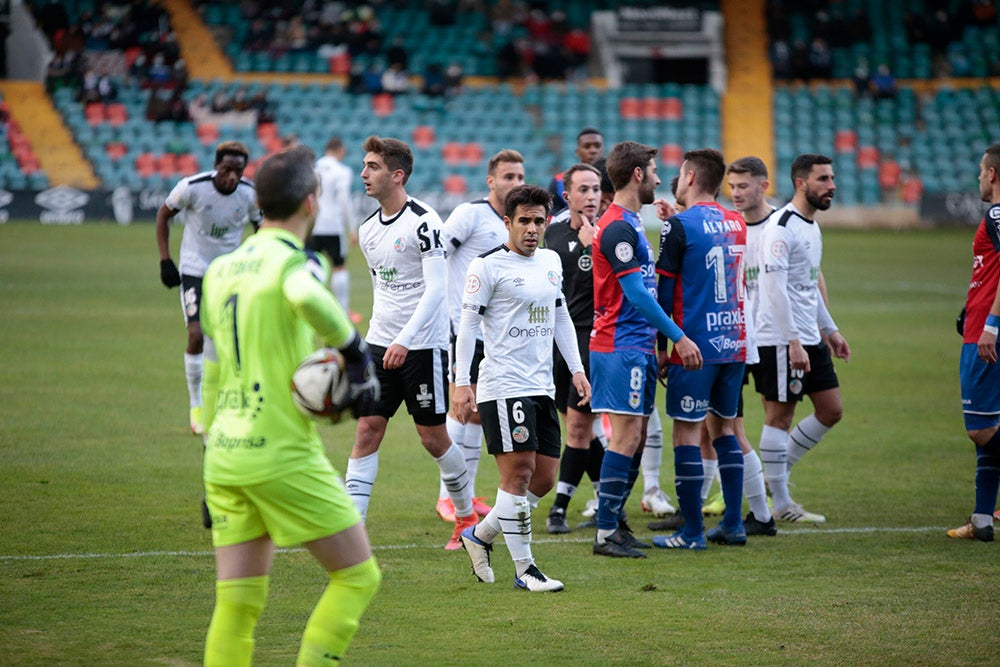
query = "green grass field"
{"x": 103, "y": 560}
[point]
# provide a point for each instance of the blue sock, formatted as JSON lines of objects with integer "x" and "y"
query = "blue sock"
{"x": 987, "y": 477}
{"x": 689, "y": 474}
{"x": 614, "y": 479}
{"x": 731, "y": 477}
{"x": 633, "y": 474}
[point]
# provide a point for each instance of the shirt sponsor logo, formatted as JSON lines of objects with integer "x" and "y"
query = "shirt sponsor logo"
{"x": 624, "y": 252}
{"x": 725, "y": 320}
{"x": 724, "y": 343}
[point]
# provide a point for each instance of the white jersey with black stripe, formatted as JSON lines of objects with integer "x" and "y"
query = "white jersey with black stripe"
{"x": 791, "y": 243}
{"x": 334, "y": 197}
{"x": 213, "y": 221}
{"x": 395, "y": 249}
{"x": 751, "y": 273}
{"x": 517, "y": 297}
{"x": 472, "y": 228}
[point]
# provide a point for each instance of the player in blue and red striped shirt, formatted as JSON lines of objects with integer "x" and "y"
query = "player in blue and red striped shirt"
{"x": 626, "y": 318}
{"x": 701, "y": 286}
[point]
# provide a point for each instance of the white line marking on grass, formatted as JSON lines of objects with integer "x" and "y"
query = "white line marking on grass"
{"x": 861, "y": 530}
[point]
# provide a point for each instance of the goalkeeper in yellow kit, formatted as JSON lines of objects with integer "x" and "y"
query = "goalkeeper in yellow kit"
{"x": 268, "y": 481}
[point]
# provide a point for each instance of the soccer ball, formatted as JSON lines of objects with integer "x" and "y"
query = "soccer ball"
{"x": 320, "y": 387}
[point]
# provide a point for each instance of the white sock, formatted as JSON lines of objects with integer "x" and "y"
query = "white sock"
{"x": 514, "y": 515}
{"x": 599, "y": 433}
{"x": 753, "y": 487}
{"x": 774, "y": 456}
{"x": 982, "y": 520}
{"x": 468, "y": 437}
{"x": 711, "y": 467}
{"x": 456, "y": 480}
{"x": 489, "y": 526}
{"x": 359, "y": 480}
{"x": 456, "y": 432}
{"x": 193, "y": 365}
{"x": 533, "y": 500}
{"x": 652, "y": 455}
{"x": 806, "y": 435}
{"x": 340, "y": 285}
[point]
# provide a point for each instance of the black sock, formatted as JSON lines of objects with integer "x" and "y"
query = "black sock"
{"x": 595, "y": 460}
{"x": 573, "y": 464}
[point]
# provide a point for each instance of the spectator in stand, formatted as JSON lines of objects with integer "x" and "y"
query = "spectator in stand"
{"x": 862, "y": 79}
{"x": 884, "y": 83}
{"x": 434, "y": 82}
{"x": 395, "y": 80}
{"x": 453, "y": 79}
{"x": 820, "y": 59}
{"x": 397, "y": 55}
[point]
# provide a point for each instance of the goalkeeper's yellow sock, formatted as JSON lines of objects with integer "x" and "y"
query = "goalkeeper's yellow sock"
{"x": 335, "y": 618}
{"x": 238, "y": 603}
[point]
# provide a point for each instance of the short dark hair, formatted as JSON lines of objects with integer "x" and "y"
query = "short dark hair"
{"x": 526, "y": 195}
{"x": 993, "y": 157}
{"x": 395, "y": 153}
{"x": 506, "y": 155}
{"x": 624, "y": 157}
{"x": 803, "y": 164}
{"x": 231, "y": 148}
{"x": 588, "y": 130}
{"x": 334, "y": 144}
{"x": 709, "y": 167}
{"x": 284, "y": 180}
{"x": 748, "y": 165}
{"x": 674, "y": 182}
{"x": 602, "y": 166}
{"x": 579, "y": 166}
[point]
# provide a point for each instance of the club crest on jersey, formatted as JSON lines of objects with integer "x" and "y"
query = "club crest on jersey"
{"x": 520, "y": 434}
{"x": 634, "y": 399}
{"x": 624, "y": 252}
{"x": 779, "y": 249}
{"x": 472, "y": 284}
{"x": 553, "y": 277}
{"x": 424, "y": 398}
{"x": 399, "y": 245}
{"x": 795, "y": 386}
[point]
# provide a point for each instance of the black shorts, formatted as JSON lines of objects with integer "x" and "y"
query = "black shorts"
{"x": 776, "y": 380}
{"x": 191, "y": 298}
{"x": 477, "y": 358}
{"x": 529, "y": 424}
{"x": 748, "y": 371}
{"x": 566, "y": 394}
{"x": 422, "y": 382}
{"x": 331, "y": 245}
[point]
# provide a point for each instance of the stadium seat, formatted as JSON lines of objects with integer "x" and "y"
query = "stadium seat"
{"x": 455, "y": 184}
{"x": 423, "y": 136}
{"x": 207, "y": 133}
{"x": 382, "y": 104}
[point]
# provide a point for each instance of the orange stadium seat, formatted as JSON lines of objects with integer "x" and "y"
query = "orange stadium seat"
{"x": 145, "y": 164}
{"x": 423, "y": 136}
{"x": 382, "y": 104}
{"x": 116, "y": 114}
{"x": 672, "y": 155}
{"x": 166, "y": 165}
{"x": 340, "y": 63}
{"x": 629, "y": 107}
{"x": 208, "y": 133}
{"x": 116, "y": 150}
{"x": 455, "y": 184}
{"x": 94, "y": 113}
{"x": 187, "y": 163}
{"x": 670, "y": 108}
{"x": 452, "y": 152}
{"x": 649, "y": 107}
{"x": 845, "y": 141}
{"x": 473, "y": 153}
{"x": 867, "y": 157}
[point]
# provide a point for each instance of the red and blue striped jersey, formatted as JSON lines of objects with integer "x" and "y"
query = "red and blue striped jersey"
{"x": 620, "y": 247}
{"x": 985, "y": 274}
{"x": 702, "y": 249}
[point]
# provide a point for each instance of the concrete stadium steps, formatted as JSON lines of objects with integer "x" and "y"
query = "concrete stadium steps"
{"x": 51, "y": 140}
{"x": 747, "y": 119}
{"x": 201, "y": 53}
